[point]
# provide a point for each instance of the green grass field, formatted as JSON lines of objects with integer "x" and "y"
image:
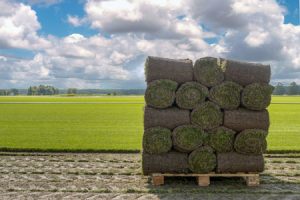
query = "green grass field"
{"x": 109, "y": 123}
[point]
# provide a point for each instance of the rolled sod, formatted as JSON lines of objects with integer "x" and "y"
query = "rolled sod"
{"x": 202, "y": 160}
{"x": 245, "y": 73}
{"x": 257, "y": 96}
{"x": 233, "y": 162}
{"x": 208, "y": 71}
{"x": 251, "y": 141}
{"x": 179, "y": 70}
{"x": 226, "y": 95}
{"x": 157, "y": 140}
{"x": 241, "y": 119}
{"x": 171, "y": 162}
{"x": 191, "y": 94}
{"x": 221, "y": 139}
{"x": 160, "y": 93}
{"x": 187, "y": 138}
{"x": 169, "y": 118}
{"x": 207, "y": 115}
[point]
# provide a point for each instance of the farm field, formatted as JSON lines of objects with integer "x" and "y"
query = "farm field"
{"x": 108, "y": 123}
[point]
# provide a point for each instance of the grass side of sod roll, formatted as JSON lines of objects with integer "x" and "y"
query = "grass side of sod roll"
{"x": 191, "y": 94}
{"x": 208, "y": 71}
{"x": 207, "y": 115}
{"x": 161, "y": 93}
{"x": 202, "y": 160}
{"x": 187, "y": 138}
{"x": 226, "y": 95}
{"x": 221, "y": 139}
{"x": 251, "y": 141}
{"x": 257, "y": 96}
{"x": 157, "y": 140}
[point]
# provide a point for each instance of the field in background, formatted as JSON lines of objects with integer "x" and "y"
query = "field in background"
{"x": 109, "y": 123}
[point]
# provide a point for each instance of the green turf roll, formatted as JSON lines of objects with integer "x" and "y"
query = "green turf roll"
{"x": 226, "y": 95}
{"x": 257, "y": 96}
{"x": 251, "y": 141}
{"x": 207, "y": 115}
{"x": 187, "y": 138}
{"x": 161, "y": 93}
{"x": 221, "y": 139}
{"x": 208, "y": 71}
{"x": 202, "y": 160}
{"x": 191, "y": 94}
{"x": 157, "y": 140}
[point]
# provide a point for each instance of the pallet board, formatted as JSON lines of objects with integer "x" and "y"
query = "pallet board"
{"x": 252, "y": 179}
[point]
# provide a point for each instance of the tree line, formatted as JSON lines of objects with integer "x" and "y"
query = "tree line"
{"x": 291, "y": 89}
{"x": 280, "y": 89}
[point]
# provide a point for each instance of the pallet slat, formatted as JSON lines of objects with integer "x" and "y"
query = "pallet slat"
{"x": 252, "y": 179}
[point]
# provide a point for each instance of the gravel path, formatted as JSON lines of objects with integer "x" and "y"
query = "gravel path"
{"x": 118, "y": 176}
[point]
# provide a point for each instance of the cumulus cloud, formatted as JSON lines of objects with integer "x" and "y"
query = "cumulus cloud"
{"x": 19, "y": 26}
{"x": 251, "y": 30}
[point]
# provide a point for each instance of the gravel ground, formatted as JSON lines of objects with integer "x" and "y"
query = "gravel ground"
{"x": 118, "y": 176}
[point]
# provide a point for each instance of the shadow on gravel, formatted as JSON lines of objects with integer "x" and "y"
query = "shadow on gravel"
{"x": 221, "y": 187}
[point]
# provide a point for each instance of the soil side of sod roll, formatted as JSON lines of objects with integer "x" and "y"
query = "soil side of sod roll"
{"x": 169, "y": 118}
{"x": 157, "y": 140}
{"x": 191, "y": 94}
{"x": 251, "y": 142}
{"x": 245, "y": 73}
{"x": 241, "y": 119}
{"x": 226, "y": 95}
{"x": 187, "y": 138}
{"x": 221, "y": 139}
{"x": 179, "y": 70}
{"x": 171, "y": 162}
{"x": 208, "y": 71}
{"x": 202, "y": 160}
{"x": 161, "y": 93}
{"x": 257, "y": 96}
{"x": 207, "y": 115}
{"x": 233, "y": 162}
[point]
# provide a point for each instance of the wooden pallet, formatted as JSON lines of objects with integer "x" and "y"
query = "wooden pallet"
{"x": 252, "y": 179}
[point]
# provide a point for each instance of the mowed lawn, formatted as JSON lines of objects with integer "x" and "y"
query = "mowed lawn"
{"x": 109, "y": 123}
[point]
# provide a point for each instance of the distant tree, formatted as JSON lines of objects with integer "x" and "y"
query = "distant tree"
{"x": 42, "y": 90}
{"x": 279, "y": 89}
{"x": 72, "y": 91}
{"x": 14, "y": 91}
{"x": 108, "y": 94}
{"x": 293, "y": 89}
{"x": 114, "y": 93}
{"x": 4, "y": 92}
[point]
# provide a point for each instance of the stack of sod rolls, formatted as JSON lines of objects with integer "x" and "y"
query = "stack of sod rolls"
{"x": 206, "y": 117}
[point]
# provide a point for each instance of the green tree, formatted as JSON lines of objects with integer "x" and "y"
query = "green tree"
{"x": 279, "y": 89}
{"x": 72, "y": 91}
{"x": 293, "y": 89}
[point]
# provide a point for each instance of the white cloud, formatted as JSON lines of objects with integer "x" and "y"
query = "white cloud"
{"x": 19, "y": 28}
{"x": 42, "y": 2}
{"x": 251, "y": 30}
{"x": 75, "y": 20}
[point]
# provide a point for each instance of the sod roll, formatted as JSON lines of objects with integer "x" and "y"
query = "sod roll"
{"x": 171, "y": 162}
{"x": 202, "y": 160}
{"x": 179, "y": 70}
{"x": 157, "y": 140}
{"x": 226, "y": 95}
{"x": 191, "y": 94}
{"x": 187, "y": 138}
{"x": 257, "y": 96}
{"x": 241, "y": 119}
{"x": 221, "y": 139}
{"x": 208, "y": 71}
{"x": 207, "y": 115}
{"x": 251, "y": 141}
{"x": 169, "y": 118}
{"x": 233, "y": 162}
{"x": 161, "y": 93}
{"x": 245, "y": 73}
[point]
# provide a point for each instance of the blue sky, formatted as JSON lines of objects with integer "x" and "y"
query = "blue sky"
{"x": 103, "y": 44}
